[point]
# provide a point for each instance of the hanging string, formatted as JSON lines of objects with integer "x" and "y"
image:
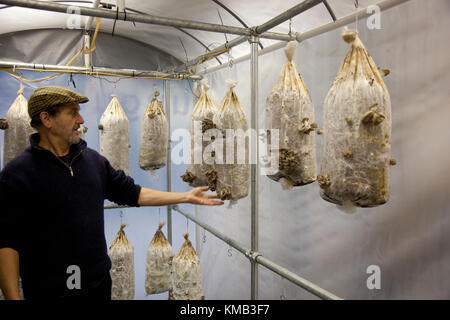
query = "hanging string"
{"x": 204, "y": 235}
{"x": 121, "y": 216}
{"x": 230, "y": 65}
{"x": 356, "y": 15}
{"x": 159, "y": 215}
{"x": 290, "y": 27}
{"x": 283, "y": 290}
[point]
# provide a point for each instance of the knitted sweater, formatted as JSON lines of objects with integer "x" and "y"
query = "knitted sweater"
{"x": 52, "y": 214}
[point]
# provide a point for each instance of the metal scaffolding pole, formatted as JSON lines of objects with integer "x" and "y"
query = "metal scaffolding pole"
{"x": 169, "y": 162}
{"x": 143, "y": 18}
{"x": 254, "y": 41}
{"x": 348, "y": 19}
{"x": 95, "y": 70}
{"x": 258, "y": 258}
{"x": 260, "y": 31}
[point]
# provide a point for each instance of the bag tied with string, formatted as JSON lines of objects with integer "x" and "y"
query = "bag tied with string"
{"x": 115, "y": 136}
{"x": 290, "y": 112}
{"x": 82, "y": 132}
{"x": 17, "y": 128}
{"x": 231, "y": 170}
{"x": 154, "y": 136}
{"x": 121, "y": 253}
{"x": 159, "y": 264}
{"x": 201, "y": 121}
{"x": 356, "y": 132}
{"x": 187, "y": 273}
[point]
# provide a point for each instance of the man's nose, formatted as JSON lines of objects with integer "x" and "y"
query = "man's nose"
{"x": 80, "y": 119}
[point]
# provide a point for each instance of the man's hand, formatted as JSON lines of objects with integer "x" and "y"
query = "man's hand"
{"x": 197, "y": 196}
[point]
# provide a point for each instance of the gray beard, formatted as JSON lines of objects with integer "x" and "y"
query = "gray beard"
{"x": 73, "y": 140}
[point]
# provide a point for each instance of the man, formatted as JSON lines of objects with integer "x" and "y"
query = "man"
{"x": 51, "y": 205}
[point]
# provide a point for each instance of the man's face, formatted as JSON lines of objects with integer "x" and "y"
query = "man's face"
{"x": 67, "y": 121}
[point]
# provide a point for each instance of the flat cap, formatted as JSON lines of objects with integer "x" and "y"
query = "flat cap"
{"x": 48, "y": 96}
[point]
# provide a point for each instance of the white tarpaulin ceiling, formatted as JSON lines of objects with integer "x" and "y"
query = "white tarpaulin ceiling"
{"x": 170, "y": 39}
{"x": 407, "y": 238}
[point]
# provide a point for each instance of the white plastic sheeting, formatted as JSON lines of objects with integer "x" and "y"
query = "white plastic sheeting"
{"x": 407, "y": 238}
{"x": 167, "y": 39}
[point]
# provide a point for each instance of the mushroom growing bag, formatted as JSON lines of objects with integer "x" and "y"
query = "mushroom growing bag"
{"x": 356, "y": 132}
{"x": 159, "y": 264}
{"x": 154, "y": 136}
{"x": 232, "y": 169}
{"x": 115, "y": 136}
{"x": 121, "y": 253}
{"x": 187, "y": 273}
{"x": 290, "y": 111}
{"x": 201, "y": 121}
{"x": 17, "y": 128}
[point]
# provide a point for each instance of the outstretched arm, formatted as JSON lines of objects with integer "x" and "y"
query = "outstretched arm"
{"x": 9, "y": 273}
{"x": 150, "y": 197}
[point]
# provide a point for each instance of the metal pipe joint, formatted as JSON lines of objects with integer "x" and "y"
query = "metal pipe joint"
{"x": 252, "y": 255}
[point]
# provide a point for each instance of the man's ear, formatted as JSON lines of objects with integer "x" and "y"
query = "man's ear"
{"x": 46, "y": 120}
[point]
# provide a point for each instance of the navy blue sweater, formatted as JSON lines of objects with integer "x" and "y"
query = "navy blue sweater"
{"x": 52, "y": 214}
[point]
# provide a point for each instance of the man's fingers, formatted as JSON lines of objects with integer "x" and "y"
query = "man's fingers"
{"x": 204, "y": 188}
{"x": 212, "y": 196}
{"x": 214, "y": 203}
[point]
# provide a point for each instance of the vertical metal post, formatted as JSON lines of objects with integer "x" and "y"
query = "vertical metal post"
{"x": 254, "y": 41}
{"x": 169, "y": 162}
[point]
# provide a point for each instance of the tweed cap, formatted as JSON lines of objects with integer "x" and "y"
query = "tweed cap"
{"x": 48, "y": 96}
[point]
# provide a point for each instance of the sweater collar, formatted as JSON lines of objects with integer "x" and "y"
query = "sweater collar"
{"x": 74, "y": 148}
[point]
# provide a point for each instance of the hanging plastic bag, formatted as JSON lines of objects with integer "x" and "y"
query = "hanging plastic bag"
{"x": 17, "y": 128}
{"x": 356, "y": 133}
{"x": 159, "y": 264}
{"x": 121, "y": 253}
{"x": 290, "y": 111}
{"x": 154, "y": 136}
{"x": 187, "y": 273}
{"x": 115, "y": 136}
{"x": 201, "y": 121}
{"x": 232, "y": 170}
{"x": 82, "y": 132}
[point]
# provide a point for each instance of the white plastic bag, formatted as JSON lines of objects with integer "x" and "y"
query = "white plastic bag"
{"x": 115, "y": 136}
{"x": 159, "y": 264}
{"x": 232, "y": 175}
{"x": 201, "y": 121}
{"x": 187, "y": 273}
{"x": 154, "y": 136}
{"x": 121, "y": 253}
{"x": 356, "y": 133}
{"x": 17, "y": 128}
{"x": 290, "y": 111}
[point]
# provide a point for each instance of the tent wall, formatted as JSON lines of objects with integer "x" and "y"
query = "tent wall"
{"x": 407, "y": 237}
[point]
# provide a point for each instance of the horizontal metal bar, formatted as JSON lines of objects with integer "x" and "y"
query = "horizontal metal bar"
{"x": 361, "y": 14}
{"x": 143, "y": 18}
{"x": 305, "y": 284}
{"x": 383, "y": 5}
{"x": 258, "y": 258}
{"x": 260, "y": 31}
{"x": 213, "y": 231}
{"x": 95, "y": 70}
